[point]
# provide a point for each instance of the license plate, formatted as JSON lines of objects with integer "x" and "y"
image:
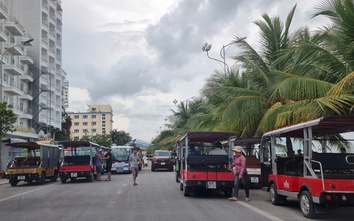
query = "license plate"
{"x": 163, "y": 163}
{"x": 21, "y": 178}
{"x": 73, "y": 175}
{"x": 211, "y": 185}
{"x": 254, "y": 180}
{"x": 119, "y": 169}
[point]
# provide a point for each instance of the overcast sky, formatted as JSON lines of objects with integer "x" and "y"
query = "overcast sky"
{"x": 140, "y": 55}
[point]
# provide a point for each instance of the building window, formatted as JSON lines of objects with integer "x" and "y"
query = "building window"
{"x": 103, "y": 115}
{"x": 76, "y": 117}
{"x": 76, "y": 138}
{"x": 76, "y": 123}
{"x": 93, "y": 109}
{"x": 84, "y": 116}
{"x": 94, "y": 130}
{"x": 103, "y": 118}
{"x": 103, "y": 122}
{"x": 94, "y": 123}
{"x": 85, "y": 131}
{"x": 85, "y": 123}
{"x": 103, "y": 125}
{"x": 76, "y": 131}
{"x": 93, "y": 116}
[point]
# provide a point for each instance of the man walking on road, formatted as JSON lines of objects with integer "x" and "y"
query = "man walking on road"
{"x": 134, "y": 158}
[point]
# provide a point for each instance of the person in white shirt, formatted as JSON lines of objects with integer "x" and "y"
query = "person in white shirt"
{"x": 217, "y": 150}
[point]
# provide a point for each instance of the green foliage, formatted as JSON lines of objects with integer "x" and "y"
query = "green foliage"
{"x": 103, "y": 139}
{"x": 64, "y": 134}
{"x": 120, "y": 137}
{"x": 7, "y": 119}
{"x": 291, "y": 78}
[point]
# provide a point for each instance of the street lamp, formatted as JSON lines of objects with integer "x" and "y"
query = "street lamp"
{"x": 206, "y": 47}
{"x": 2, "y": 67}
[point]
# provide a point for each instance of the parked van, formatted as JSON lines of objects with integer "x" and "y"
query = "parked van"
{"x": 34, "y": 162}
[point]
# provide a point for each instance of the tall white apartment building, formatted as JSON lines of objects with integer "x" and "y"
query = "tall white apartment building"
{"x": 65, "y": 93}
{"x": 16, "y": 79}
{"x": 43, "y": 20}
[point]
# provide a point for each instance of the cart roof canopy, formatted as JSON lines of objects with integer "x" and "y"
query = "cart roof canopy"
{"x": 30, "y": 145}
{"x": 81, "y": 143}
{"x": 246, "y": 141}
{"x": 320, "y": 127}
{"x": 208, "y": 137}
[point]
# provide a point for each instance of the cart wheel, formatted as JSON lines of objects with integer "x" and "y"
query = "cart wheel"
{"x": 55, "y": 177}
{"x": 13, "y": 182}
{"x": 185, "y": 191}
{"x": 42, "y": 178}
{"x": 63, "y": 179}
{"x": 228, "y": 192}
{"x": 275, "y": 198}
{"x": 89, "y": 178}
{"x": 306, "y": 204}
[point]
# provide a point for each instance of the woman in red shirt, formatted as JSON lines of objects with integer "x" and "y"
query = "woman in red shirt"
{"x": 240, "y": 174}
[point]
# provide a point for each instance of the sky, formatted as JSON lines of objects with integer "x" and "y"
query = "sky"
{"x": 140, "y": 55}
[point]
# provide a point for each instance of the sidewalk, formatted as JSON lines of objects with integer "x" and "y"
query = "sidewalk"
{"x": 3, "y": 181}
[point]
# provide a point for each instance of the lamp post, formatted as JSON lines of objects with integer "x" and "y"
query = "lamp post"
{"x": 206, "y": 47}
{"x": 2, "y": 67}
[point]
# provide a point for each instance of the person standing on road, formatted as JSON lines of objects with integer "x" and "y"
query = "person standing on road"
{"x": 240, "y": 174}
{"x": 108, "y": 158}
{"x": 99, "y": 168}
{"x": 134, "y": 158}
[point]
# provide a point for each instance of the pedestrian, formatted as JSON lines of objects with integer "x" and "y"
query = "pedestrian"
{"x": 240, "y": 174}
{"x": 108, "y": 158}
{"x": 217, "y": 149}
{"x": 134, "y": 158}
{"x": 99, "y": 161}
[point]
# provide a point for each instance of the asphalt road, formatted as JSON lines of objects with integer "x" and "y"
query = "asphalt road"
{"x": 156, "y": 198}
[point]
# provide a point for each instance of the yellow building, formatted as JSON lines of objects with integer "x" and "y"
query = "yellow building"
{"x": 97, "y": 120}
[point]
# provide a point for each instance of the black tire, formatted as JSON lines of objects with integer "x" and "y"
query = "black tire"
{"x": 63, "y": 179}
{"x": 228, "y": 192}
{"x": 274, "y": 196}
{"x": 170, "y": 169}
{"x": 185, "y": 190}
{"x": 29, "y": 181}
{"x": 55, "y": 176}
{"x": 72, "y": 179}
{"x": 89, "y": 178}
{"x": 13, "y": 182}
{"x": 42, "y": 178}
{"x": 306, "y": 205}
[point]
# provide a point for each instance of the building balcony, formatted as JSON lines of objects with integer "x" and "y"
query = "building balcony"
{"x": 13, "y": 49}
{"x": 27, "y": 77}
{"x": 13, "y": 89}
{"x": 26, "y": 59}
{"x": 14, "y": 69}
{"x": 3, "y": 36}
{"x": 14, "y": 26}
{"x": 26, "y": 116}
{"x": 3, "y": 11}
{"x": 26, "y": 96}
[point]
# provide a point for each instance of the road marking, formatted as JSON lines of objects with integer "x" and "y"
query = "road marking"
{"x": 19, "y": 194}
{"x": 263, "y": 213}
{"x": 119, "y": 192}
